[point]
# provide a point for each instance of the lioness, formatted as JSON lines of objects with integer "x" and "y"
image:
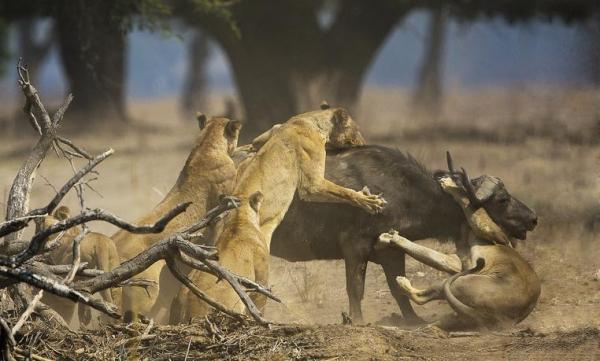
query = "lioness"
{"x": 495, "y": 286}
{"x": 242, "y": 249}
{"x": 97, "y": 250}
{"x": 207, "y": 173}
{"x": 291, "y": 158}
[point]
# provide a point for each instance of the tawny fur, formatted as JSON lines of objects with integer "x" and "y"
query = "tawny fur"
{"x": 208, "y": 173}
{"x": 290, "y": 158}
{"x": 97, "y": 250}
{"x": 242, "y": 249}
{"x": 496, "y": 287}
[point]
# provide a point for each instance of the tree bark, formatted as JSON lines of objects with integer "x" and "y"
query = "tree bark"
{"x": 92, "y": 49}
{"x": 428, "y": 96}
{"x": 194, "y": 96}
{"x": 286, "y": 63}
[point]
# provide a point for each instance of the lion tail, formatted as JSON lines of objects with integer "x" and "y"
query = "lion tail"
{"x": 458, "y": 306}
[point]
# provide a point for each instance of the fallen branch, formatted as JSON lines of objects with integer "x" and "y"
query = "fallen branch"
{"x": 16, "y": 224}
{"x": 86, "y": 216}
{"x": 200, "y": 294}
{"x": 250, "y": 285}
{"x": 58, "y": 289}
{"x": 225, "y": 274}
{"x": 18, "y": 197}
{"x": 7, "y": 341}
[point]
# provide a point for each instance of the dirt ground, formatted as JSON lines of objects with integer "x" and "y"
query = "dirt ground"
{"x": 540, "y": 143}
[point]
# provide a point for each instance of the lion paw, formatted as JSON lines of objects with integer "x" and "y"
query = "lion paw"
{"x": 372, "y": 203}
{"x": 385, "y": 239}
{"x": 404, "y": 284}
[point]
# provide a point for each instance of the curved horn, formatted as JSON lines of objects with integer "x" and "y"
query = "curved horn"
{"x": 450, "y": 162}
{"x": 469, "y": 188}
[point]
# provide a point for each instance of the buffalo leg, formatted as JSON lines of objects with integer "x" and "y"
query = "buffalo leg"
{"x": 392, "y": 261}
{"x": 356, "y": 269}
{"x": 440, "y": 261}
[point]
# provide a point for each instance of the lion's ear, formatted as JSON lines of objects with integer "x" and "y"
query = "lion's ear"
{"x": 340, "y": 116}
{"x": 324, "y": 105}
{"x": 233, "y": 128}
{"x": 201, "y": 118}
{"x": 62, "y": 213}
{"x": 256, "y": 200}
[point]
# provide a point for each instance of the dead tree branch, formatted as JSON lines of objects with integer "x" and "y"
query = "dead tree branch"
{"x": 250, "y": 285}
{"x": 40, "y": 238}
{"x": 18, "y": 197}
{"x": 17, "y": 224}
{"x": 200, "y": 294}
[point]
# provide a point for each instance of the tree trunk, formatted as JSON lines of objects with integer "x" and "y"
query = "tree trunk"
{"x": 428, "y": 96}
{"x": 287, "y": 64}
{"x": 92, "y": 48}
{"x": 194, "y": 97}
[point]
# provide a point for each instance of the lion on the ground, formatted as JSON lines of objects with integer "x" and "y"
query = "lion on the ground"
{"x": 208, "y": 173}
{"x": 493, "y": 286}
{"x": 291, "y": 158}
{"x": 97, "y": 250}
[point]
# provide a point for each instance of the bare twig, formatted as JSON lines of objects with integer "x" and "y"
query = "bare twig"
{"x": 32, "y": 356}
{"x": 214, "y": 215}
{"x": 200, "y": 294}
{"x": 76, "y": 256}
{"x": 161, "y": 250}
{"x": 250, "y": 285}
{"x": 18, "y": 198}
{"x": 15, "y": 224}
{"x": 7, "y": 341}
{"x": 89, "y": 215}
{"x": 77, "y": 150}
{"x": 58, "y": 116}
{"x": 56, "y": 288}
{"x": 233, "y": 282}
{"x": 28, "y": 311}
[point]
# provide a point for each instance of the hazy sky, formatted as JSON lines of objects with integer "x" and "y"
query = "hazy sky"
{"x": 478, "y": 54}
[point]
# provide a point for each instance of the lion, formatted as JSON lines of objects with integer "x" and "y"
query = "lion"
{"x": 290, "y": 158}
{"x": 494, "y": 288}
{"x": 243, "y": 250}
{"x": 97, "y": 250}
{"x": 208, "y": 173}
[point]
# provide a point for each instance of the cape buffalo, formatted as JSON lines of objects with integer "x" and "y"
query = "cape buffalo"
{"x": 417, "y": 208}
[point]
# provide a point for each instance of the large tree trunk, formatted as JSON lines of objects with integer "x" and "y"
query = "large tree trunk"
{"x": 428, "y": 96}
{"x": 92, "y": 48}
{"x": 288, "y": 63}
{"x": 193, "y": 96}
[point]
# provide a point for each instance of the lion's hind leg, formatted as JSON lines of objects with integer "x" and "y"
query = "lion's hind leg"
{"x": 418, "y": 296}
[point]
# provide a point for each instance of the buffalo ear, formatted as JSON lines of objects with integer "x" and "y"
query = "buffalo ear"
{"x": 324, "y": 105}
{"x": 487, "y": 188}
{"x": 233, "y": 128}
{"x": 340, "y": 117}
{"x": 256, "y": 200}
{"x": 201, "y": 118}
{"x": 62, "y": 213}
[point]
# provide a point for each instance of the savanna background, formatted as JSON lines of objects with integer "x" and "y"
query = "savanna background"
{"x": 512, "y": 88}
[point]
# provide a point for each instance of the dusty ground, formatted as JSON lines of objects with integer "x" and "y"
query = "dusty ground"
{"x": 542, "y": 145}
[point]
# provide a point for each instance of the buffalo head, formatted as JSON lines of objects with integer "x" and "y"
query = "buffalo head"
{"x": 489, "y": 192}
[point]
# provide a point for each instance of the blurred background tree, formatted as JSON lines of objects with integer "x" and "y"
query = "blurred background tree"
{"x": 285, "y": 56}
